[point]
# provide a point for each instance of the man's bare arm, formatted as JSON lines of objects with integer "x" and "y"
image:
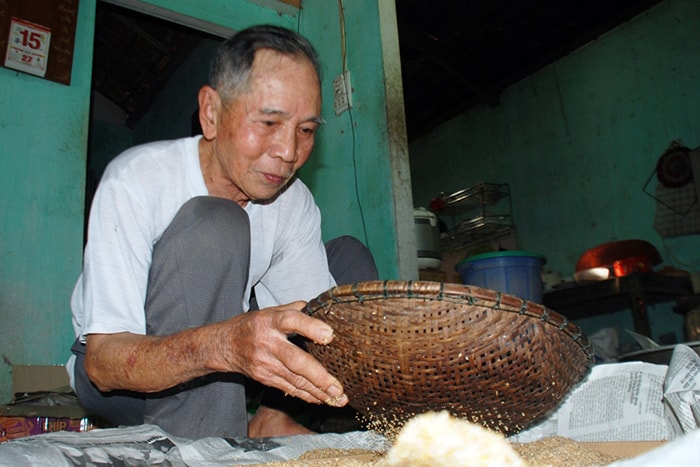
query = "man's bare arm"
{"x": 254, "y": 344}
{"x": 146, "y": 363}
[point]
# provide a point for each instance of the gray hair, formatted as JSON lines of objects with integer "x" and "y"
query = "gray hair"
{"x": 230, "y": 68}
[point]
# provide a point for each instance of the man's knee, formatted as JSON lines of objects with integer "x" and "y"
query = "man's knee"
{"x": 216, "y": 216}
{"x": 350, "y": 261}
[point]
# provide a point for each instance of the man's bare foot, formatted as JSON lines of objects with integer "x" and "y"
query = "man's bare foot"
{"x": 268, "y": 422}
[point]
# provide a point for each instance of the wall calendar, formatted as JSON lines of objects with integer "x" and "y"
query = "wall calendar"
{"x": 37, "y": 37}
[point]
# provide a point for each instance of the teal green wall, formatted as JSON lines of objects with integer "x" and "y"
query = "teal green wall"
{"x": 43, "y": 134}
{"x": 233, "y": 14}
{"x": 349, "y": 172}
{"x": 578, "y": 140}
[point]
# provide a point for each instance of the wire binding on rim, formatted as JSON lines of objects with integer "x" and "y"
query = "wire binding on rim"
{"x": 523, "y": 308}
{"x": 409, "y": 291}
{"x": 564, "y": 324}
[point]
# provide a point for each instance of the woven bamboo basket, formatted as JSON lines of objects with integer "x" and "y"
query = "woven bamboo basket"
{"x": 404, "y": 348}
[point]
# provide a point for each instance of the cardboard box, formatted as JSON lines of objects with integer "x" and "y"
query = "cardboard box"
{"x": 43, "y": 402}
{"x": 39, "y": 378}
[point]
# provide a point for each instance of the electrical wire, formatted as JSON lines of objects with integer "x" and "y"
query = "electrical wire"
{"x": 675, "y": 260}
{"x": 341, "y": 14}
{"x": 299, "y": 19}
{"x": 343, "y": 55}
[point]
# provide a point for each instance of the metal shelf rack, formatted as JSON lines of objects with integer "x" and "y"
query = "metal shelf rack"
{"x": 477, "y": 214}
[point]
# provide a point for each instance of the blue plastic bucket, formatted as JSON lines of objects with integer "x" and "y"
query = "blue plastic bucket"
{"x": 513, "y": 272}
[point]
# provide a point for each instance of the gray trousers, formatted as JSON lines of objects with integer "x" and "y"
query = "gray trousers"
{"x": 198, "y": 275}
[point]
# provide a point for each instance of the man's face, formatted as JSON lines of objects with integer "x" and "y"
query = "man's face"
{"x": 267, "y": 133}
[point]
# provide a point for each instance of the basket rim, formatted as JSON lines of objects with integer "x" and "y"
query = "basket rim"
{"x": 449, "y": 292}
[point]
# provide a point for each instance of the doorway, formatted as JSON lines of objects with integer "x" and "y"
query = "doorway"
{"x": 146, "y": 71}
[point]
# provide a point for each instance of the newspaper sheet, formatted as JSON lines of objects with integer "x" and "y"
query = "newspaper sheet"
{"x": 148, "y": 445}
{"x": 633, "y": 401}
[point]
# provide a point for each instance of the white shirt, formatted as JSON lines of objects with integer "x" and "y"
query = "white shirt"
{"x": 141, "y": 191}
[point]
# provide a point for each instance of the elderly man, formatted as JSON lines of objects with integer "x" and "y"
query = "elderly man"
{"x": 182, "y": 233}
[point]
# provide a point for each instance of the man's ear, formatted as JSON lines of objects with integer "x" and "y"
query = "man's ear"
{"x": 209, "y": 108}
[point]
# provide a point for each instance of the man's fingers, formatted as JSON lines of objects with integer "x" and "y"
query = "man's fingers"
{"x": 300, "y": 375}
{"x": 305, "y": 325}
{"x": 308, "y": 375}
{"x": 338, "y": 399}
{"x": 333, "y": 396}
{"x": 288, "y": 367}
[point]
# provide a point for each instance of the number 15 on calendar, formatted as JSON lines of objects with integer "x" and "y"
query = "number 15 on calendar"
{"x": 28, "y": 47}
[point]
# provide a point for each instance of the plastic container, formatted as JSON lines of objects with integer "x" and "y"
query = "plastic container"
{"x": 513, "y": 272}
{"x": 427, "y": 239}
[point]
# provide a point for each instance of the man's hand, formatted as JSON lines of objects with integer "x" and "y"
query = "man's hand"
{"x": 254, "y": 344}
